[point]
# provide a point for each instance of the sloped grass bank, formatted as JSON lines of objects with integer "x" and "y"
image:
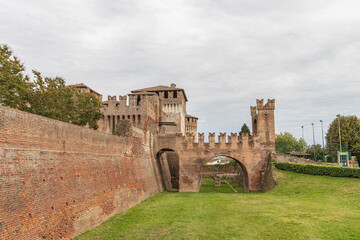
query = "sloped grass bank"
{"x": 299, "y": 207}
{"x": 207, "y": 186}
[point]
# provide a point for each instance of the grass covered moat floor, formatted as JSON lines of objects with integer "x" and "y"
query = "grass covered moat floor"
{"x": 299, "y": 207}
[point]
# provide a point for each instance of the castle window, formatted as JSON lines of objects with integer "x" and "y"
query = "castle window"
{"x": 255, "y": 127}
{"x": 139, "y": 119}
{"x": 138, "y": 100}
{"x": 133, "y": 119}
{"x": 166, "y": 95}
{"x": 174, "y": 94}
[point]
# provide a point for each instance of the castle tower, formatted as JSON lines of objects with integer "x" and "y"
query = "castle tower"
{"x": 263, "y": 122}
{"x": 172, "y": 107}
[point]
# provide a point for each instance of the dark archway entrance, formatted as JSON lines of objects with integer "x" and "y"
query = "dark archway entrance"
{"x": 227, "y": 173}
{"x": 168, "y": 162}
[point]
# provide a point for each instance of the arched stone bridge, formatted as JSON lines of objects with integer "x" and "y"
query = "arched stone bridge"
{"x": 253, "y": 153}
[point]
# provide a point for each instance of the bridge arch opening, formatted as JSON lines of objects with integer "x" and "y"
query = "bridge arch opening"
{"x": 223, "y": 174}
{"x": 168, "y": 161}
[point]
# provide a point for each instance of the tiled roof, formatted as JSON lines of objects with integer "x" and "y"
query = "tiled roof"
{"x": 189, "y": 116}
{"x": 82, "y": 85}
{"x": 157, "y": 88}
{"x": 142, "y": 93}
{"x": 160, "y": 88}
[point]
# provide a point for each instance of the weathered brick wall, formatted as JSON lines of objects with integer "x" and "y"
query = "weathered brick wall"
{"x": 281, "y": 157}
{"x": 58, "y": 180}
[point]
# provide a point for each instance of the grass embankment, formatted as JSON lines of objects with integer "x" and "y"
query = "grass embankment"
{"x": 299, "y": 207}
{"x": 207, "y": 185}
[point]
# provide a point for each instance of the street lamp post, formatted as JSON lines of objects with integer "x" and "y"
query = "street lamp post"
{"x": 303, "y": 147}
{"x": 339, "y": 131}
{"x": 314, "y": 141}
{"x": 322, "y": 135}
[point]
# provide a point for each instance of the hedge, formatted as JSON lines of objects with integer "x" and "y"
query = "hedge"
{"x": 324, "y": 170}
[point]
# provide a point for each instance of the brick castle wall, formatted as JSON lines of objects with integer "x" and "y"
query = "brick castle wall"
{"x": 58, "y": 180}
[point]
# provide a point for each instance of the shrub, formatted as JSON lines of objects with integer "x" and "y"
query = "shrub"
{"x": 123, "y": 128}
{"x": 333, "y": 171}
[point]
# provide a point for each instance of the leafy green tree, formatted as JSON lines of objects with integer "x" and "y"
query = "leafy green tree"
{"x": 319, "y": 152}
{"x": 87, "y": 109}
{"x": 350, "y": 136}
{"x": 245, "y": 129}
{"x": 14, "y": 84}
{"x": 49, "y": 97}
{"x": 52, "y": 98}
{"x": 285, "y": 142}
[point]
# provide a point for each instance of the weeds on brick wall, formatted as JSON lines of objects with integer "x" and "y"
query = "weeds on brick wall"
{"x": 333, "y": 171}
{"x": 123, "y": 128}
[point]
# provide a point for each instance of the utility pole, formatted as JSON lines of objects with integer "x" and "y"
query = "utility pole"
{"x": 314, "y": 141}
{"x": 322, "y": 135}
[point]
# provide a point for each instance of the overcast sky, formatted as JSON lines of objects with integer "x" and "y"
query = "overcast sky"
{"x": 224, "y": 53}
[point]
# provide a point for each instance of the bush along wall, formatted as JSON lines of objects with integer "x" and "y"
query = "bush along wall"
{"x": 333, "y": 171}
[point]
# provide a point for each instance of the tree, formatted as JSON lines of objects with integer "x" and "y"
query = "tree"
{"x": 49, "y": 97}
{"x": 14, "y": 85}
{"x": 87, "y": 109}
{"x": 286, "y": 142}
{"x": 319, "y": 152}
{"x": 245, "y": 129}
{"x": 350, "y": 136}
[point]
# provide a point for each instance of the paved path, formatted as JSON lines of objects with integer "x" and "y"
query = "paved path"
{"x": 230, "y": 186}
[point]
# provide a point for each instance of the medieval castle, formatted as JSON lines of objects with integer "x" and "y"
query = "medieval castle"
{"x": 59, "y": 180}
{"x": 164, "y": 106}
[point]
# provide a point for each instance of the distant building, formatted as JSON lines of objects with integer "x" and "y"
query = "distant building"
{"x": 222, "y": 160}
{"x": 85, "y": 88}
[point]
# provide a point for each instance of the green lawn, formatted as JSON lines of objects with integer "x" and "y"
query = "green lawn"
{"x": 207, "y": 185}
{"x": 299, "y": 207}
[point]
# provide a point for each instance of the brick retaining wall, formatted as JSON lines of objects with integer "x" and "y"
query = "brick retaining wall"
{"x": 58, "y": 180}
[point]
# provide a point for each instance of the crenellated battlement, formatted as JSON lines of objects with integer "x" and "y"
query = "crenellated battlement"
{"x": 223, "y": 138}
{"x": 270, "y": 105}
{"x": 122, "y": 98}
{"x": 111, "y": 98}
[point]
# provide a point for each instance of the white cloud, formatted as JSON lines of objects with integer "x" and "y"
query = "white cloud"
{"x": 305, "y": 54}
